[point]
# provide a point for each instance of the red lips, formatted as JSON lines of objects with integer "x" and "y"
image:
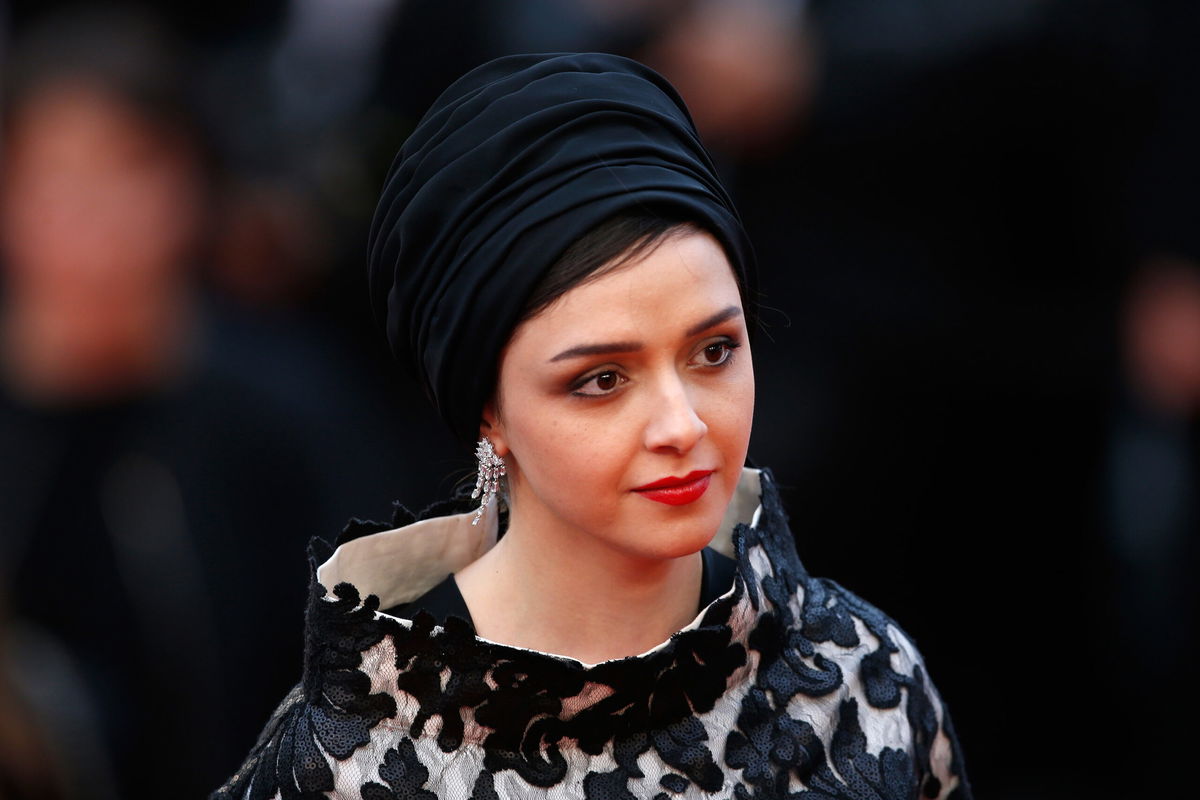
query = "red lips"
{"x": 677, "y": 491}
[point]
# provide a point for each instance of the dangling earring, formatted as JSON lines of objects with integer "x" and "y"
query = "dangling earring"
{"x": 491, "y": 470}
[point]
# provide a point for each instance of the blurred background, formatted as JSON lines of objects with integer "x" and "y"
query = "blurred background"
{"x": 979, "y": 372}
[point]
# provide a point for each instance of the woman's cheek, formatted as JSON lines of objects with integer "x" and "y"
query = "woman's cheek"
{"x": 569, "y": 451}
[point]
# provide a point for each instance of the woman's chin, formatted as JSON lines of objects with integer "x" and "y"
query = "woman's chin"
{"x": 677, "y": 531}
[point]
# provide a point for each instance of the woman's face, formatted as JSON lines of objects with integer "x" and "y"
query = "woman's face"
{"x": 641, "y": 377}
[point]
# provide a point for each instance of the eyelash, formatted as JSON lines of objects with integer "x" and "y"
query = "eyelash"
{"x": 730, "y": 345}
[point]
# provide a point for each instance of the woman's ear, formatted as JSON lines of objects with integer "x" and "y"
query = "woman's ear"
{"x": 492, "y": 428}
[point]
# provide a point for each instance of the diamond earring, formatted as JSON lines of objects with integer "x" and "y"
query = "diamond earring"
{"x": 491, "y": 470}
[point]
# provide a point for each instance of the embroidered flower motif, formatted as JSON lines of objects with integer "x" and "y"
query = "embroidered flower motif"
{"x": 684, "y": 746}
{"x": 444, "y": 671}
{"x": 341, "y": 709}
{"x": 404, "y": 775}
{"x": 696, "y": 676}
{"x": 826, "y": 618}
{"x": 674, "y": 783}
{"x": 768, "y": 747}
{"x": 784, "y": 666}
{"x": 485, "y": 787}
{"x": 859, "y": 775}
{"x": 657, "y": 695}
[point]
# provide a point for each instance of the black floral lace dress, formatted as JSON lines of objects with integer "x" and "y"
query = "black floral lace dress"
{"x": 786, "y": 686}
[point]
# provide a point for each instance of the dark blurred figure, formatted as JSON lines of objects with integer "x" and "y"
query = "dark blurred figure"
{"x": 1153, "y": 520}
{"x": 284, "y": 100}
{"x": 1152, "y": 487}
{"x": 154, "y": 505}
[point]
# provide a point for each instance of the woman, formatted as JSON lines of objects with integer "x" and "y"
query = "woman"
{"x": 554, "y": 256}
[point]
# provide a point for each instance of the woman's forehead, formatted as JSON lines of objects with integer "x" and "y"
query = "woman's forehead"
{"x": 683, "y": 281}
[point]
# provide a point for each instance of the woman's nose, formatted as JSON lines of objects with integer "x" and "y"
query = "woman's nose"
{"x": 674, "y": 423}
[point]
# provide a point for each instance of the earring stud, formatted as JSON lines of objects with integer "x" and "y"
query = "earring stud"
{"x": 491, "y": 470}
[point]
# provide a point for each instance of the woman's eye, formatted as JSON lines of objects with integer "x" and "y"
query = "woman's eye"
{"x": 599, "y": 384}
{"x": 716, "y": 353}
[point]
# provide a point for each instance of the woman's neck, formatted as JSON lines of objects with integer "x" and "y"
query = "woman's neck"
{"x": 570, "y": 594}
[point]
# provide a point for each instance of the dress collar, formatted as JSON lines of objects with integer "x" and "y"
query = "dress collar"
{"x": 363, "y": 666}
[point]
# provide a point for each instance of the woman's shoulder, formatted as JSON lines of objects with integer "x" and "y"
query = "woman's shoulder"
{"x": 830, "y": 612}
{"x": 832, "y": 643}
{"x": 826, "y": 618}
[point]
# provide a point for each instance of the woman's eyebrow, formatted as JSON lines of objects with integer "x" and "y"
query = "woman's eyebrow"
{"x": 597, "y": 350}
{"x": 715, "y": 319}
{"x": 629, "y": 347}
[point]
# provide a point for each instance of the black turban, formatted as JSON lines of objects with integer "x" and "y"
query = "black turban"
{"x": 514, "y": 162}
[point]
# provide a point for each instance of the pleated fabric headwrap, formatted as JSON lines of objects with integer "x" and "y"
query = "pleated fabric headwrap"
{"x": 514, "y": 162}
